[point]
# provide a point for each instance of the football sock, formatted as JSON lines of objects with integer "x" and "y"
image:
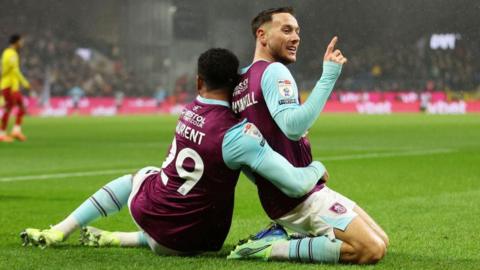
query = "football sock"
{"x": 106, "y": 201}
{"x": 131, "y": 239}
{"x": 20, "y": 114}
{"x": 280, "y": 250}
{"x": 316, "y": 249}
{"x": 67, "y": 226}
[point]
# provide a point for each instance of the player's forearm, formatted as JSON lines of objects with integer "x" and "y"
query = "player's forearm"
{"x": 22, "y": 79}
{"x": 295, "y": 121}
{"x": 320, "y": 93}
{"x": 295, "y": 182}
{"x": 241, "y": 148}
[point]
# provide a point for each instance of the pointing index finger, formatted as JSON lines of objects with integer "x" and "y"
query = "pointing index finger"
{"x": 331, "y": 46}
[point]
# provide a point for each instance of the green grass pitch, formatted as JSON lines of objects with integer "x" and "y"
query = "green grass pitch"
{"x": 417, "y": 175}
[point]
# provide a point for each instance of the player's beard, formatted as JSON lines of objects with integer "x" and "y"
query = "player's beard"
{"x": 279, "y": 57}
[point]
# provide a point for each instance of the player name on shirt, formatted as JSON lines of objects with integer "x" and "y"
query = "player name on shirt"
{"x": 189, "y": 133}
{"x": 243, "y": 103}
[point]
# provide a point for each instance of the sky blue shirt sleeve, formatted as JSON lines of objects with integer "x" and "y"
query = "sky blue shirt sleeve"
{"x": 244, "y": 147}
{"x": 292, "y": 118}
{"x": 279, "y": 88}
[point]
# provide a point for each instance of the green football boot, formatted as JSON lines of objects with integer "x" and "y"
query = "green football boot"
{"x": 91, "y": 236}
{"x": 259, "y": 246}
{"x": 41, "y": 238}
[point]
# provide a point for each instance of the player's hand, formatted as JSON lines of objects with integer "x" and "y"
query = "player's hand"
{"x": 325, "y": 176}
{"x": 334, "y": 55}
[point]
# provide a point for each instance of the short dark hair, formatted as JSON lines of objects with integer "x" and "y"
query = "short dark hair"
{"x": 219, "y": 69}
{"x": 14, "y": 39}
{"x": 266, "y": 16}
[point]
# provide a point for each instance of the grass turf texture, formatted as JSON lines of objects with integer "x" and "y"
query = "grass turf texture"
{"x": 429, "y": 204}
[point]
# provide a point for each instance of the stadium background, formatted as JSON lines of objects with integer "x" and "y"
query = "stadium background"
{"x": 124, "y": 49}
{"x": 416, "y": 174}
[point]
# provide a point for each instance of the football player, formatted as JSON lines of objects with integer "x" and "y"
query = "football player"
{"x": 267, "y": 96}
{"x": 11, "y": 80}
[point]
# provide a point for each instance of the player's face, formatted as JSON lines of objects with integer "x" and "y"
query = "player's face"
{"x": 19, "y": 44}
{"x": 283, "y": 38}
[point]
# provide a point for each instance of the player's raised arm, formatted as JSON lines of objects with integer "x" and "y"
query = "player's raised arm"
{"x": 244, "y": 146}
{"x": 281, "y": 94}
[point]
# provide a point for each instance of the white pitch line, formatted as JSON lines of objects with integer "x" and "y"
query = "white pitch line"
{"x": 389, "y": 154}
{"x": 331, "y": 158}
{"x": 62, "y": 175}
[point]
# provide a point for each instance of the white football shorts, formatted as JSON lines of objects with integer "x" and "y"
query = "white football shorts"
{"x": 321, "y": 213}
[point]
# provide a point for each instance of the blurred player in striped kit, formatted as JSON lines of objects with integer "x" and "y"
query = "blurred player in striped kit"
{"x": 11, "y": 80}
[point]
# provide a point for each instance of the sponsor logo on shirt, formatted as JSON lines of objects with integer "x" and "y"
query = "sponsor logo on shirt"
{"x": 287, "y": 101}
{"x": 193, "y": 118}
{"x": 240, "y": 88}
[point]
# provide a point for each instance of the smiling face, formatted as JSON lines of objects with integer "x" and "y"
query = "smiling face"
{"x": 280, "y": 38}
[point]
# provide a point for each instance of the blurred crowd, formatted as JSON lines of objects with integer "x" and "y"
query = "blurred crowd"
{"x": 417, "y": 67}
{"x": 56, "y": 64}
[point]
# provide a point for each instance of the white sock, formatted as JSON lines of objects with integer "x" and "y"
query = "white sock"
{"x": 17, "y": 129}
{"x": 280, "y": 250}
{"x": 128, "y": 239}
{"x": 67, "y": 226}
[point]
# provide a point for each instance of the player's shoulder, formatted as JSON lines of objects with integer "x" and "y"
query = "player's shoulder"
{"x": 244, "y": 130}
{"x": 223, "y": 112}
{"x": 5, "y": 51}
{"x": 9, "y": 50}
{"x": 277, "y": 70}
{"x": 277, "y": 67}
{"x": 9, "y": 53}
{"x": 217, "y": 118}
{"x": 276, "y": 76}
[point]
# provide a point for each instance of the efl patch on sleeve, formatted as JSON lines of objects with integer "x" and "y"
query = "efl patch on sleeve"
{"x": 252, "y": 131}
{"x": 287, "y": 91}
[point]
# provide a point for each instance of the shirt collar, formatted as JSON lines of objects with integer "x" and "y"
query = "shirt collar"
{"x": 245, "y": 69}
{"x": 213, "y": 101}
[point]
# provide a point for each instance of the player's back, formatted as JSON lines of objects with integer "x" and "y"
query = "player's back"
{"x": 248, "y": 102}
{"x": 188, "y": 206}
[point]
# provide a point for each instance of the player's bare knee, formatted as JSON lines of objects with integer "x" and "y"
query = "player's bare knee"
{"x": 347, "y": 252}
{"x": 368, "y": 251}
{"x": 373, "y": 253}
